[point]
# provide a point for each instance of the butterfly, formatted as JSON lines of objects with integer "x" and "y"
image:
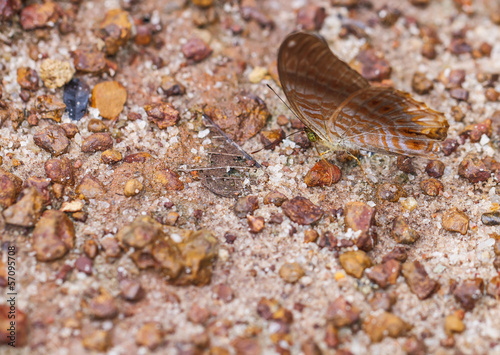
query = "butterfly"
{"x": 347, "y": 113}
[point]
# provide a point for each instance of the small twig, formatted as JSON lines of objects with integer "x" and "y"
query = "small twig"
{"x": 218, "y": 167}
{"x": 228, "y": 178}
{"x": 230, "y": 141}
{"x": 228, "y": 154}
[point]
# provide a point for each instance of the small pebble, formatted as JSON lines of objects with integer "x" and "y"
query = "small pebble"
{"x": 56, "y": 73}
{"x": 291, "y": 272}
{"x": 355, "y": 262}
{"x": 323, "y": 173}
{"x": 132, "y": 187}
{"x": 455, "y": 220}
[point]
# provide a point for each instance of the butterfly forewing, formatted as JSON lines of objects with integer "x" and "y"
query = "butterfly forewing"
{"x": 340, "y": 106}
{"x": 315, "y": 82}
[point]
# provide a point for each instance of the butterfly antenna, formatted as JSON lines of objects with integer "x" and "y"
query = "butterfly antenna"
{"x": 279, "y": 97}
{"x": 271, "y": 144}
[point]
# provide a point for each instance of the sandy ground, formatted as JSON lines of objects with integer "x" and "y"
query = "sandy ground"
{"x": 250, "y": 266}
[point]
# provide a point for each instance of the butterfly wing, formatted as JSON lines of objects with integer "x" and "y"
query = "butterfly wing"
{"x": 314, "y": 80}
{"x": 387, "y": 120}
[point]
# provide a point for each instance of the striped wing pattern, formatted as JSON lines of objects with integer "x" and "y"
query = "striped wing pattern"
{"x": 341, "y": 107}
{"x": 314, "y": 80}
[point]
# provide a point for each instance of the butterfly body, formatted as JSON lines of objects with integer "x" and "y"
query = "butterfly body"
{"x": 345, "y": 111}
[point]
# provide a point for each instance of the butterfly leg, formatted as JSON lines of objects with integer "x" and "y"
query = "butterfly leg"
{"x": 361, "y": 167}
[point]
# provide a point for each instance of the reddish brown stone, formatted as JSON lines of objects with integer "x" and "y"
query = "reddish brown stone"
{"x": 402, "y": 233}
{"x": 137, "y": 157}
{"x": 99, "y": 340}
{"x": 42, "y": 185}
{"x": 468, "y": 292}
{"x": 115, "y": 30}
{"x": 398, "y": 253}
{"x": 385, "y": 274}
{"x": 96, "y": 126}
{"x": 97, "y": 142}
{"x": 390, "y": 192}
{"x": 39, "y": 15}
{"x": 331, "y": 336}
{"x": 255, "y": 224}
{"x": 223, "y": 292}
{"x": 49, "y": 107}
{"x": 171, "y": 87}
{"x": 309, "y": 347}
{"x": 361, "y": 217}
{"x": 103, "y": 306}
{"x": 246, "y": 346}
{"x": 274, "y": 197}
{"x": 27, "y": 210}
{"x": 250, "y": 11}
{"x": 431, "y": 187}
{"x": 476, "y": 131}
{"x": 198, "y": 315}
{"x": 27, "y": 78}
{"x": 131, "y": 290}
{"x": 84, "y": 264}
{"x": 452, "y": 78}
{"x": 53, "y": 139}
{"x": 429, "y": 50}
{"x": 143, "y": 35}
{"x": 169, "y": 179}
{"x": 491, "y": 94}
{"x": 53, "y": 236}
{"x": 449, "y": 146}
{"x": 90, "y": 248}
{"x": 10, "y": 187}
{"x": 311, "y": 17}
{"x": 420, "y": 84}
{"x": 382, "y": 300}
{"x": 457, "y": 113}
{"x": 111, "y": 247}
{"x": 342, "y": 313}
{"x": 20, "y": 337}
{"x": 493, "y": 288}
{"x": 473, "y": 169}
{"x": 196, "y": 50}
{"x": 90, "y": 188}
{"x": 405, "y": 164}
{"x": 435, "y": 168}
{"x": 414, "y": 346}
{"x": 163, "y": 115}
{"x": 459, "y": 46}
{"x": 323, "y": 173}
{"x": 271, "y": 139}
{"x": 372, "y": 65}
{"x": 8, "y": 8}
{"x": 459, "y": 94}
{"x": 302, "y": 211}
{"x": 60, "y": 170}
{"x": 70, "y": 129}
{"x": 89, "y": 61}
{"x": 418, "y": 281}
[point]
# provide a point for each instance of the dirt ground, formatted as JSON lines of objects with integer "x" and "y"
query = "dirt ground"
{"x": 239, "y": 291}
